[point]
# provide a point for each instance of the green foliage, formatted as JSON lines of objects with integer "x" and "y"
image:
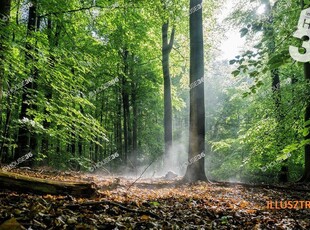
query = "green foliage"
{"x": 79, "y": 163}
{"x": 77, "y": 49}
{"x": 257, "y": 139}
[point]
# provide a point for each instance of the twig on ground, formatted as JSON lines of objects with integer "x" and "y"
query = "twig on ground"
{"x": 141, "y": 174}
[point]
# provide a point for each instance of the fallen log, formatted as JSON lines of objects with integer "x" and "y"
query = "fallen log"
{"x": 22, "y": 183}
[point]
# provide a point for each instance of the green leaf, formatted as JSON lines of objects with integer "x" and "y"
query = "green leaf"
{"x": 231, "y": 62}
{"x": 283, "y": 156}
{"x": 278, "y": 60}
{"x": 305, "y": 132}
{"x": 254, "y": 73}
{"x": 290, "y": 148}
{"x": 258, "y": 46}
{"x": 235, "y": 73}
{"x": 259, "y": 84}
{"x": 155, "y": 203}
{"x": 253, "y": 90}
{"x": 245, "y": 94}
{"x": 243, "y": 32}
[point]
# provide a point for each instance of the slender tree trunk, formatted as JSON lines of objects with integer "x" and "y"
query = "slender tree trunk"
{"x": 5, "y": 9}
{"x": 134, "y": 153}
{"x": 106, "y": 123}
{"x": 195, "y": 170}
{"x": 103, "y": 108}
{"x": 275, "y": 86}
{"x": 283, "y": 175}
{"x": 125, "y": 98}
{"x": 119, "y": 124}
{"x": 23, "y": 140}
{"x": 80, "y": 140}
{"x": 166, "y": 50}
{"x": 4, "y": 154}
{"x": 33, "y": 106}
{"x": 72, "y": 144}
{"x": 129, "y": 132}
{"x": 53, "y": 39}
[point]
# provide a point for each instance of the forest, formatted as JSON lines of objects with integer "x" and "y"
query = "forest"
{"x": 159, "y": 114}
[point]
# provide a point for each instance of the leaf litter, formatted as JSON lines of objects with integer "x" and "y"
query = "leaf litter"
{"x": 151, "y": 204}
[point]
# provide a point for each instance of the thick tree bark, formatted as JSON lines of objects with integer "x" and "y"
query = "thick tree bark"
{"x": 166, "y": 50}
{"x": 20, "y": 183}
{"x": 196, "y": 170}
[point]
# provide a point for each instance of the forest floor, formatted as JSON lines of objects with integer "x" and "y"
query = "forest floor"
{"x": 122, "y": 203}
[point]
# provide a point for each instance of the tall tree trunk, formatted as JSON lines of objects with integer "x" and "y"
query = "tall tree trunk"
{"x": 134, "y": 153}
{"x": 196, "y": 170}
{"x": 166, "y": 50}
{"x": 24, "y": 136}
{"x": 4, "y": 150}
{"x": 275, "y": 86}
{"x": 53, "y": 39}
{"x": 103, "y": 108}
{"x": 5, "y": 9}
{"x": 33, "y": 106}
{"x": 80, "y": 140}
{"x": 283, "y": 175}
{"x": 119, "y": 123}
{"x": 72, "y": 144}
{"x": 125, "y": 98}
